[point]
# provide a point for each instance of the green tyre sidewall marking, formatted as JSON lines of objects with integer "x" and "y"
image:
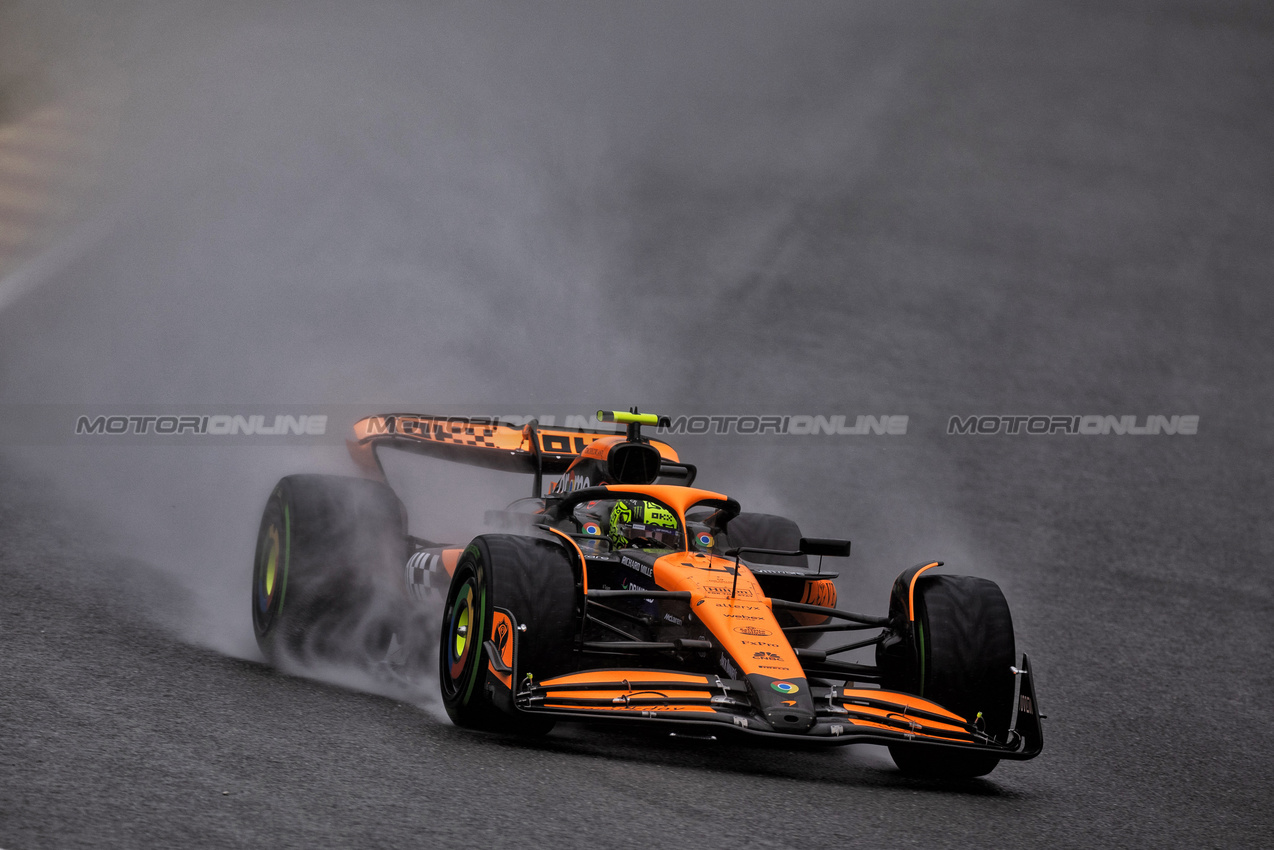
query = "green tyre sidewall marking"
{"x": 920, "y": 645}
{"x": 478, "y": 651}
{"x": 287, "y": 555}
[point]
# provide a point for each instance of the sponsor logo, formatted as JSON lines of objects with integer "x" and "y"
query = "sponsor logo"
{"x": 718, "y": 590}
{"x": 821, "y": 592}
{"x": 629, "y": 585}
{"x": 570, "y": 483}
{"x": 676, "y": 621}
{"x": 784, "y": 687}
{"x": 751, "y": 630}
{"x": 782, "y": 668}
{"x": 644, "y": 569}
{"x": 728, "y": 667}
{"x": 767, "y": 656}
{"x": 501, "y": 631}
{"x": 1024, "y": 705}
{"x": 659, "y": 516}
{"x": 760, "y": 643}
{"x": 787, "y": 702}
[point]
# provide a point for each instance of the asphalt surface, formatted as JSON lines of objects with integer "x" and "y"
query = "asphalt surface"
{"x": 858, "y": 209}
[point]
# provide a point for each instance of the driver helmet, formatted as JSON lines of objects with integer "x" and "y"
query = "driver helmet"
{"x": 636, "y": 523}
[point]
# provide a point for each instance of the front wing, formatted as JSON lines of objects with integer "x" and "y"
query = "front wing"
{"x": 843, "y": 715}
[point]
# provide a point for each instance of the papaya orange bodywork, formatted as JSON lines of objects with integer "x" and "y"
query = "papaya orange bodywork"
{"x": 900, "y": 699}
{"x": 450, "y": 557}
{"x": 500, "y": 620}
{"x": 478, "y": 438}
{"x": 738, "y": 616}
{"x": 636, "y": 683}
{"x": 911, "y": 591}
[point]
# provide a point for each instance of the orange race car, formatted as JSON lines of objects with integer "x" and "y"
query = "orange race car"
{"x": 628, "y": 594}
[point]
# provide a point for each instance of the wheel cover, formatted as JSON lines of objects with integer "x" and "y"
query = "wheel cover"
{"x": 460, "y": 640}
{"x": 270, "y": 566}
{"x": 269, "y": 575}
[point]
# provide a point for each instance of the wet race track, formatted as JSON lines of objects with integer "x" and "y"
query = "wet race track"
{"x": 902, "y": 209}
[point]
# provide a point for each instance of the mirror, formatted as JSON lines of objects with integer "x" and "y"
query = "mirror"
{"x": 828, "y": 546}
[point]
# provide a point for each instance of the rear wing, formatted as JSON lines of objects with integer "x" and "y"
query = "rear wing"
{"x": 485, "y": 442}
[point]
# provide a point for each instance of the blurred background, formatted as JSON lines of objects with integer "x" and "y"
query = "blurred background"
{"x": 916, "y": 208}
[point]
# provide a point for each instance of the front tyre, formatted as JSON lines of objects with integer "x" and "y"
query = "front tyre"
{"x": 501, "y": 575}
{"x": 961, "y": 659}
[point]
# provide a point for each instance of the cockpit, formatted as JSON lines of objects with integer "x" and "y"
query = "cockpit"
{"x": 644, "y": 523}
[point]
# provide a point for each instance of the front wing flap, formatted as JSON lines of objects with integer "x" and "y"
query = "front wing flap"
{"x": 843, "y": 715}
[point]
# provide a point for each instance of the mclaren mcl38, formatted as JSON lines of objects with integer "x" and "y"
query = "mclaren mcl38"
{"x": 625, "y": 593}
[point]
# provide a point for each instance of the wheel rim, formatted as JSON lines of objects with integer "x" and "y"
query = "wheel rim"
{"x": 270, "y": 570}
{"x": 460, "y": 632}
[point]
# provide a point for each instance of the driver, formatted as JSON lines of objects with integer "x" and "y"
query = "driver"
{"x": 641, "y": 524}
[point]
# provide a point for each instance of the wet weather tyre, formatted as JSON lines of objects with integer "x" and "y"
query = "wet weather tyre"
{"x": 964, "y": 652}
{"x": 532, "y": 580}
{"x": 328, "y": 550}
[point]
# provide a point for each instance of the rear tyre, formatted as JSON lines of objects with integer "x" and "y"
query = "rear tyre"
{"x": 963, "y": 655}
{"x": 327, "y": 552}
{"x": 533, "y": 581}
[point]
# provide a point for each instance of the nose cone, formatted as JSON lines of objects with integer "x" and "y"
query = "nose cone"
{"x": 785, "y": 703}
{"x": 790, "y": 718}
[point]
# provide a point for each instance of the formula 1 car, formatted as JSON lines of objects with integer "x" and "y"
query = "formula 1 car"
{"x": 627, "y": 594}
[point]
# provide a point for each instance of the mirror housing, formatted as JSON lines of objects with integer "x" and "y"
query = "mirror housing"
{"x": 829, "y": 546}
